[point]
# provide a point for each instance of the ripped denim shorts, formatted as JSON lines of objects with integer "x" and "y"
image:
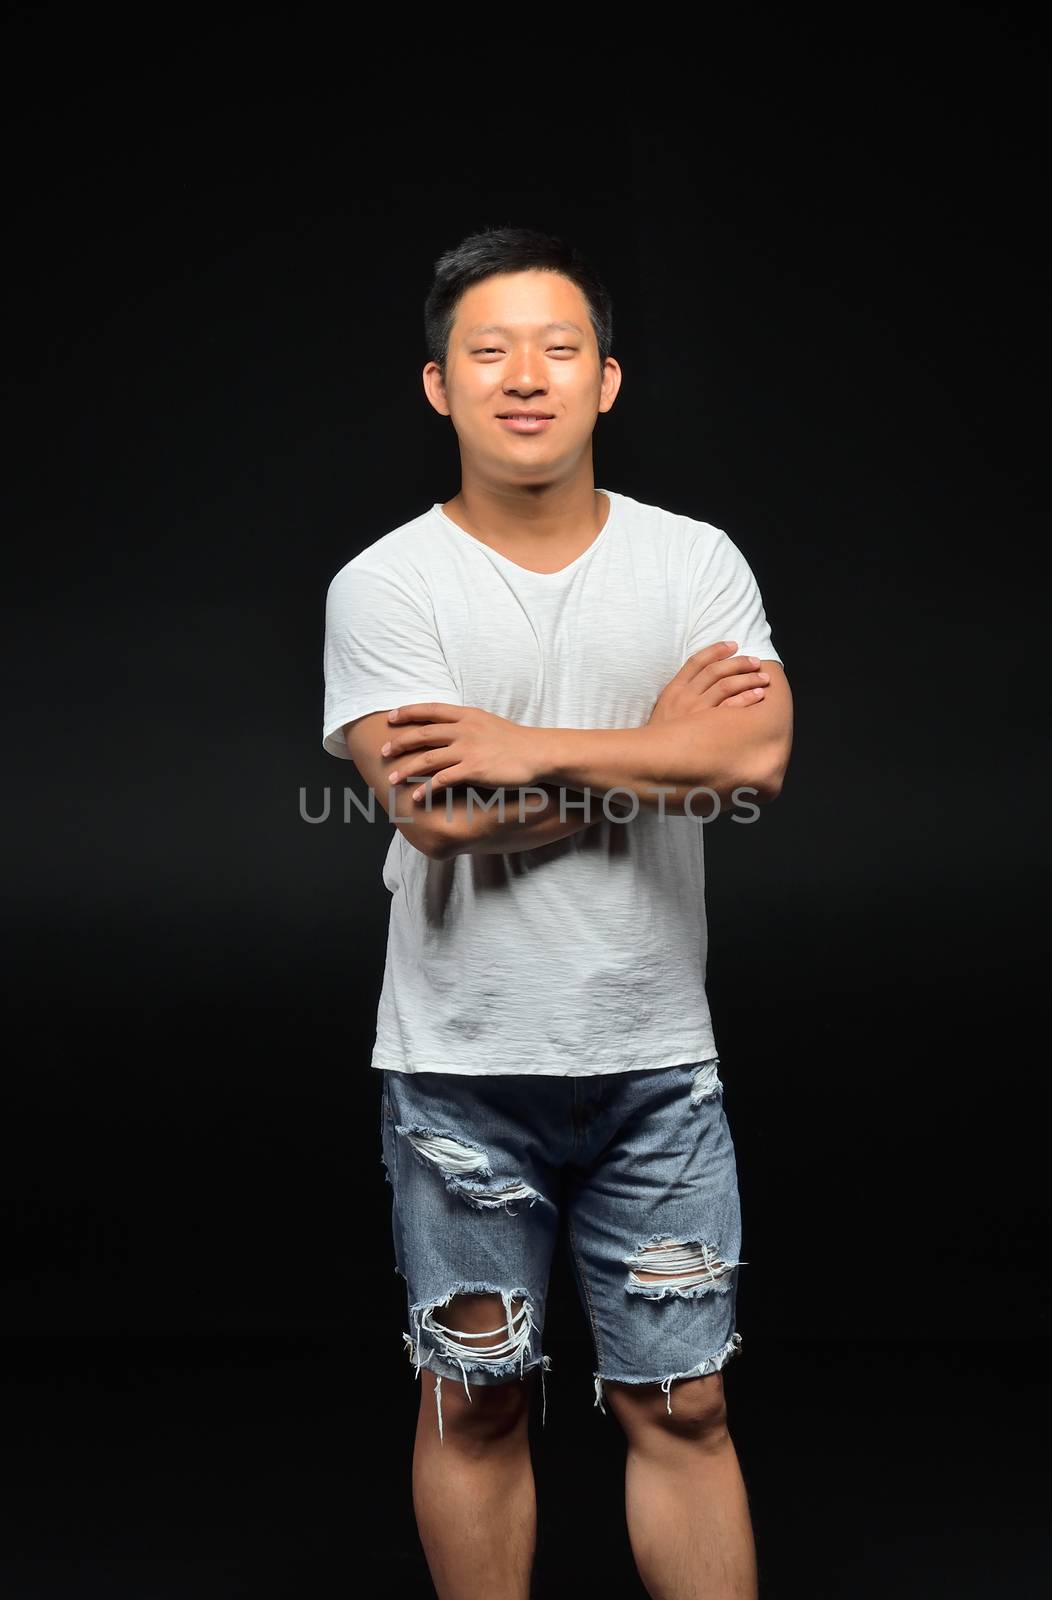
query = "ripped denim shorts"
{"x": 640, "y": 1168}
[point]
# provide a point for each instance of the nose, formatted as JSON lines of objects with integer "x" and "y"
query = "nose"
{"x": 526, "y": 375}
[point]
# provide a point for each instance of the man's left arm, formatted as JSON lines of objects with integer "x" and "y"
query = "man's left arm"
{"x": 720, "y": 748}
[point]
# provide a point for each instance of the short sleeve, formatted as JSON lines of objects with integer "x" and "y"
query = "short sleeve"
{"x": 726, "y": 603}
{"x": 381, "y": 649}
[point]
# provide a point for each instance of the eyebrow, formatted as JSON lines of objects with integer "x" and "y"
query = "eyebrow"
{"x": 494, "y": 327}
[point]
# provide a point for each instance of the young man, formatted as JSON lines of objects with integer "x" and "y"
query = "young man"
{"x": 550, "y": 688}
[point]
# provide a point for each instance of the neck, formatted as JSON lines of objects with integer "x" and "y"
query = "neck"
{"x": 533, "y": 516}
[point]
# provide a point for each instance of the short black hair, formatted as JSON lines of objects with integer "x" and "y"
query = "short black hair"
{"x": 505, "y": 249}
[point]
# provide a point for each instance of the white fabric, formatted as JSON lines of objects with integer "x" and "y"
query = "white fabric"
{"x": 583, "y": 956}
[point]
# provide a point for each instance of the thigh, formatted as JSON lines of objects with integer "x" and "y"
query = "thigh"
{"x": 473, "y": 1213}
{"x": 654, "y": 1225}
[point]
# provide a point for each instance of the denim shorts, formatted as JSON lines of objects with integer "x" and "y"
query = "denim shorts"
{"x": 640, "y": 1168}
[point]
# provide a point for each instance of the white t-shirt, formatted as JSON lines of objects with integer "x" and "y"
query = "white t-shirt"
{"x": 587, "y": 955}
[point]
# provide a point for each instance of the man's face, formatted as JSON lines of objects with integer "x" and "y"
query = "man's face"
{"x": 523, "y": 342}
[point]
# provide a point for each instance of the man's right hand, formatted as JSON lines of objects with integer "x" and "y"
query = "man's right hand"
{"x": 711, "y": 677}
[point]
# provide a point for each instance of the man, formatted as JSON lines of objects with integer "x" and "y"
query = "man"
{"x": 542, "y": 683}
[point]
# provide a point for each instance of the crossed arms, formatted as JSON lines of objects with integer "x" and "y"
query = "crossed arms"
{"x": 720, "y": 724}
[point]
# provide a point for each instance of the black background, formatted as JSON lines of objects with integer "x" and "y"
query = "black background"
{"x": 823, "y": 254}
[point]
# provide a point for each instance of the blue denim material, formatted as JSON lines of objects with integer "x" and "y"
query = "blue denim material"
{"x": 484, "y": 1170}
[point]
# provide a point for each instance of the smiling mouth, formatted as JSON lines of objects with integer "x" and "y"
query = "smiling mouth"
{"x": 519, "y": 423}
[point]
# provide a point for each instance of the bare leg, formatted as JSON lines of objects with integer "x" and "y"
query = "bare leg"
{"x": 685, "y": 1498}
{"x": 473, "y": 1490}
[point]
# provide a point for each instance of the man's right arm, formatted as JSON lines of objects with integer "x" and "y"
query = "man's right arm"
{"x": 446, "y": 828}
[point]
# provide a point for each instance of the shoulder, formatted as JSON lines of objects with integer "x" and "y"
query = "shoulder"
{"x": 396, "y": 554}
{"x": 676, "y": 532}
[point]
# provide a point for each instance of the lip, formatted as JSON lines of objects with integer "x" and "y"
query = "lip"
{"x": 526, "y": 424}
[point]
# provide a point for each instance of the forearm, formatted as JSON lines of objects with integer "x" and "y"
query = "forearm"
{"x": 469, "y": 819}
{"x": 661, "y": 762}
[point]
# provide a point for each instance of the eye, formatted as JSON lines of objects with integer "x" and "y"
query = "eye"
{"x": 493, "y": 350}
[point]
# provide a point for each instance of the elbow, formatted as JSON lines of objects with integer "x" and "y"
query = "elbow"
{"x": 443, "y": 848}
{"x": 768, "y": 777}
{"x": 768, "y": 791}
{"x": 756, "y": 790}
{"x": 776, "y": 778}
{"x": 434, "y": 842}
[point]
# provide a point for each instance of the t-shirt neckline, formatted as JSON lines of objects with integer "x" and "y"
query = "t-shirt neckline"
{"x": 528, "y": 572}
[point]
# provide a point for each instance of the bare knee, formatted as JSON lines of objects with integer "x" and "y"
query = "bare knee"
{"x": 493, "y": 1408}
{"x": 698, "y": 1409}
{"x": 497, "y": 1413}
